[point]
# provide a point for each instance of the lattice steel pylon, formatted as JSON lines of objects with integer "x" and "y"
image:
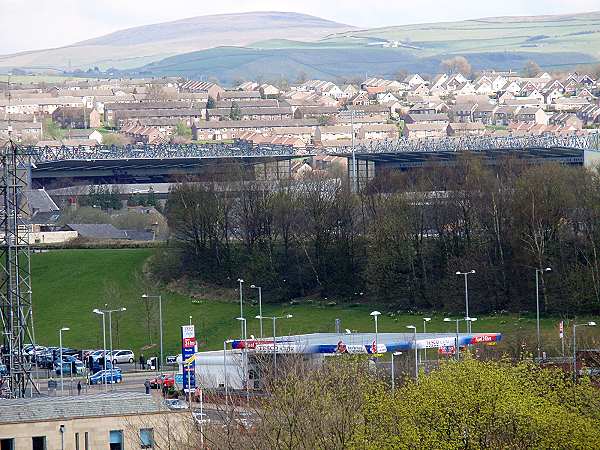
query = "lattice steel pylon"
{"x": 15, "y": 272}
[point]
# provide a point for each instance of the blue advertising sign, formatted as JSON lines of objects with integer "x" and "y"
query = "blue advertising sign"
{"x": 188, "y": 350}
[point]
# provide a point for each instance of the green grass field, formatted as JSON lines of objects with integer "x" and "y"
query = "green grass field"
{"x": 69, "y": 284}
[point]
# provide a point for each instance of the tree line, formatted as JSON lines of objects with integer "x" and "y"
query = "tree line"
{"x": 401, "y": 239}
{"x": 343, "y": 403}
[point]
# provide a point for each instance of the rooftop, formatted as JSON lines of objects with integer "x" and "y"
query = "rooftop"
{"x": 88, "y": 406}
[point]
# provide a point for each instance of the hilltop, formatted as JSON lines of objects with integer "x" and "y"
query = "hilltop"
{"x": 500, "y": 43}
{"x": 274, "y": 45}
{"x": 136, "y": 46}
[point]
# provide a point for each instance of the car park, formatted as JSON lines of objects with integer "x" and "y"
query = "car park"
{"x": 122, "y": 356}
{"x": 109, "y": 376}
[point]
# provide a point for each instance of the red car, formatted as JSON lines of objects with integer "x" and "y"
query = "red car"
{"x": 162, "y": 380}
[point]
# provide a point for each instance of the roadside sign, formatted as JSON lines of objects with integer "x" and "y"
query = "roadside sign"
{"x": 188, "y": 350}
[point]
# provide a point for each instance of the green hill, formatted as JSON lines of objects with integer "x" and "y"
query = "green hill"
{"x": 334, "y": 61}
{"x": 69, "y": 284}
{"x": 539, "y": 34}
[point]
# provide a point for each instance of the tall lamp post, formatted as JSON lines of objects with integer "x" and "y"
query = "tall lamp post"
{"x": 97, "y": 311}
{"x": 245, "y": 359}
{"x": 538, "y": 272}
{"x": 226, "y": 379}
{"x": 414, "y": 328}
{"x": 466, "y": 274}
{"x": 62, "y": 386}
{"x": 589, "y": 324}
{"x": 160, "y": 324}
{"x": 274, "y": 319}
{"x": 375, "y": 315}
{"x": 109, "y": 312}
{"x": 394, "y": 372}
{"x": 241, "y": 282}
{"x": 466, "y": 319}
{"x": 259, "y": 307}
{"x": 425, "y": 320}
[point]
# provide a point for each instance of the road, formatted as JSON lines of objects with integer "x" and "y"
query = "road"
{"x": 132, "y": 381}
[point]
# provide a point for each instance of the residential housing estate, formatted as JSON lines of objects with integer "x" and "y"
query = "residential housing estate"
{"x": 315, "y": 113}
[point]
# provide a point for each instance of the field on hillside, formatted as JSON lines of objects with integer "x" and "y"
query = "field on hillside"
{"x": 69, "y": 284}
{"x": 575, "y": 33}
{"x": 228, "y": 64}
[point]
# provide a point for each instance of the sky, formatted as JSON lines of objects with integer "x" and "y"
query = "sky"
{"x": 36, "y": 24}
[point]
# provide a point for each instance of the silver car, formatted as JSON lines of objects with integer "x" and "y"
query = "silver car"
{"x": 122, "y": 356}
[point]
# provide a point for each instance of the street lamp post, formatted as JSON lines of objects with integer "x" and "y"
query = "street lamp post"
{"x": 274, "y": 319}
{"x": 537, "y": 308}
{"x": 241, "y": 282}
{"x": 589, "y": 324}
{"x": 97, "y": 311}
{"x": 226, "y": 379}
{"x": 245, "y": 359}
{"x": 160, "y": 325}
{"x": 375, "y": 315}
{"x": 109, "y": 312}
{"x": 259, "y": 307}
{"x": 394, "y": 372}
{"x": 466, "y": 319}
{"x": 62, "y": 386}
{"x": 414, "y": 328}
{"x": 466, "y": 274}
{"x": 425, "y": 320}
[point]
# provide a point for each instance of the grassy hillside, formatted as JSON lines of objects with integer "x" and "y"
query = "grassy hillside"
{"x": 69, "y": 284}
{"x": 329, "y": 61}
{"x": 554, "y": 42}
{"x": 543, "y": 34}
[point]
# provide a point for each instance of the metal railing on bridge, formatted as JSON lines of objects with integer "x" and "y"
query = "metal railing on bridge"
{"x": 476, "y": 144}
{"x": 162, "y": 151}
{"x": 241, "y": 148}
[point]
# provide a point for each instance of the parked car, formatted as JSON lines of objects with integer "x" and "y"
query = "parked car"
{"x": 110, "y": 375}
{"x": 122, "y": 356}
{"x": 69, "y": 351}
{"x": 162, "y": 380}
{"x": 45, "y": 360}
{"x": 37, "y": 349}
{"x": 175, "y": 403}
{"x": 70, "y": 365}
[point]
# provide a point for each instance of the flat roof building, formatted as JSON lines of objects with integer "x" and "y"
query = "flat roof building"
{"x": 112, "y": 421}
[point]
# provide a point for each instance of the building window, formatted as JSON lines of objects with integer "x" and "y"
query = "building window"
{"x": 86, "y": 441}
{"x": 7, "y": 444}
{"x": 76, "y": 441}
{"x": 116, "y": 440}
{"x": 146, "y": 438}
{"x": 39, "y": 442}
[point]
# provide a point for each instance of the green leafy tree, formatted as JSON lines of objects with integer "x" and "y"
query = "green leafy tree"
{"x": 52, "y": 130}
{"x": 484, "y": 405}
{"x": 182, "y": 130}
{"x": 211, "y": 103}
{"x": 236, "y": 112}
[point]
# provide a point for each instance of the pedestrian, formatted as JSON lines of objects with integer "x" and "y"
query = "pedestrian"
{"x": 147, "y": 386}
{"x": 142, "y": 362}
{"x": 79, "y": 387}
